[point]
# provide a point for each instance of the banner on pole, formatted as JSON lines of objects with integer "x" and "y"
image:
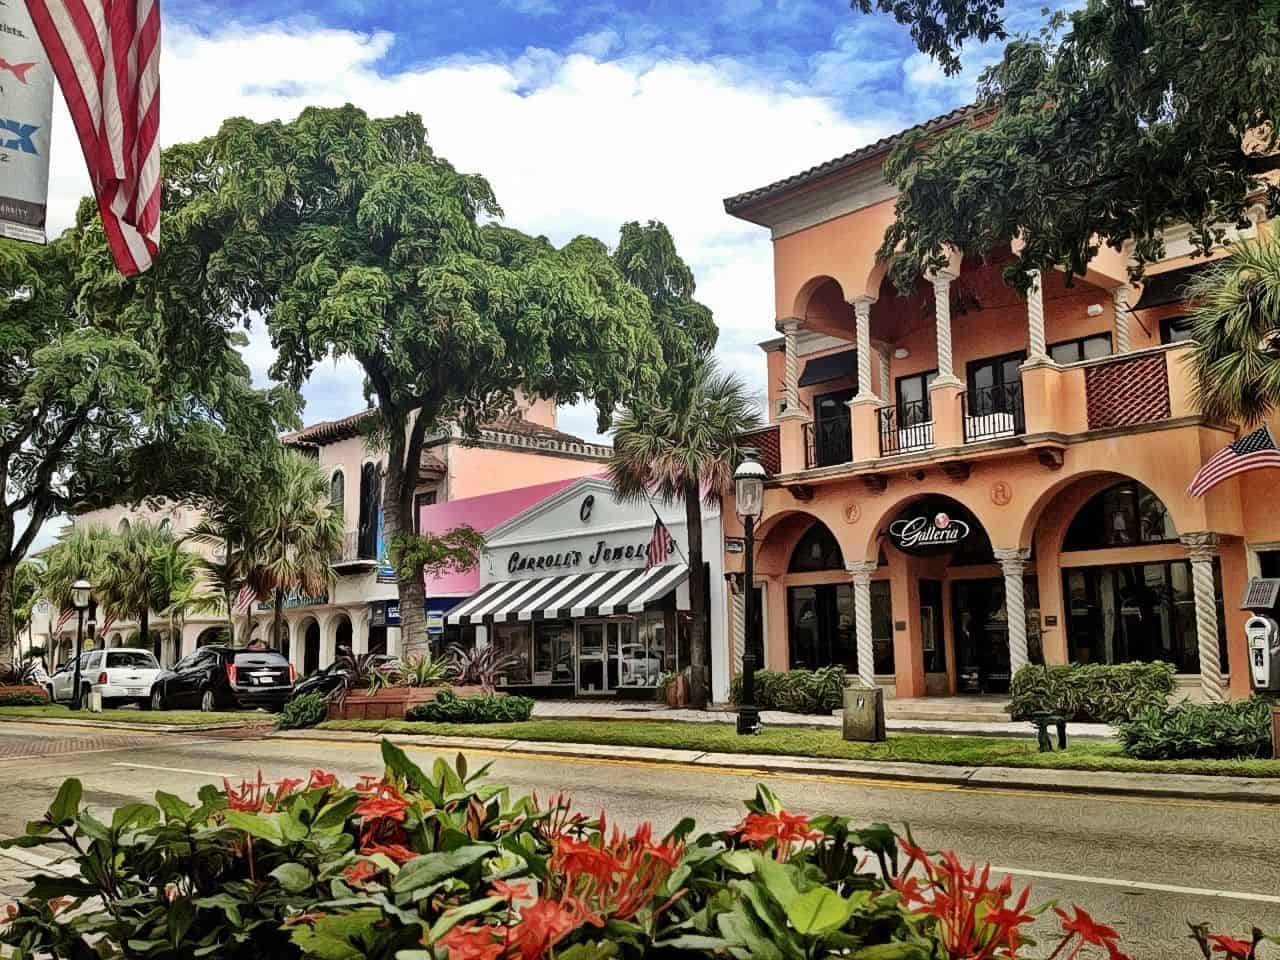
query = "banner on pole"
{"x": 26, "y": 115}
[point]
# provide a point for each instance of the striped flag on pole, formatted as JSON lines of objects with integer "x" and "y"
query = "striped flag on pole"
{"x": 1251, "y": 452}
{"x": 660, "y": 544}
{"x": 106, "y": 56}
{"x": 245, "y": 598}
{"x": 63, "y": 617}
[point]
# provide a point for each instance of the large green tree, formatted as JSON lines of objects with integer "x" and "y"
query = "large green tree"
{"x": 351, "y": 237}
{"x": 110, "y": 393}
{"x": 143, "y": 570}
{"x": 684, "y": 449}
{"x": 1117, "y": 121}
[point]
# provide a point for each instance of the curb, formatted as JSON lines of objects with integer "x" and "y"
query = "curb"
{"x": 1063, "y": 782}
{"x": 128, "y": 724}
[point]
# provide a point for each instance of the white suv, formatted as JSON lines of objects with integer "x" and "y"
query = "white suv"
{"x": 120, "y": 675}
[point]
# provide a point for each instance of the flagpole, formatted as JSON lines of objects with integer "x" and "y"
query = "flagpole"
{"x": 675, "y": 543}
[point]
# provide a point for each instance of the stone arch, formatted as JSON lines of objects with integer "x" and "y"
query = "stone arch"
{"x": 211, "y": 635}
{"x": 1072, "y": 492}
{"x": 822, "y": 305}
{"x": 778, "y": 534}
{"x": 307, "y": 632}
{"x": 872, "y": 534}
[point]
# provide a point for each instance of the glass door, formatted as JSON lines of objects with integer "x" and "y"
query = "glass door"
{"x": 592, "y": 675}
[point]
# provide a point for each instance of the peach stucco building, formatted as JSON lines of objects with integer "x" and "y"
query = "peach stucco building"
{"x": 361, "y": 609}
{"x": 964, "y": 479}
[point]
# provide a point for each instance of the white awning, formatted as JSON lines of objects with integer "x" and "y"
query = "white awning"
{"x": 599, "y": 594}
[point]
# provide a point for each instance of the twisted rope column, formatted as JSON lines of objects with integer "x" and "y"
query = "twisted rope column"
{"x": 886, "y": 384}
{"x": 1120, "y": 301}
{"x": 1013, "y": 563}
{"x": 1202, "y": 548}
{"x": 739, "y": 621}
{"x": 1035, "y": 319}
{"x": 861, "y": 573}
{"x": 942, "y": 326}
{"x": 862, "y": 311}
{"x": 791, "y": 364}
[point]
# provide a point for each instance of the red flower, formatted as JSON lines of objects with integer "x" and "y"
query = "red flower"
{"x": 285, "y": 787}
{"x": 1090, "y": 932}
{"x": 544, "y": 923}
{"x": 618, "y": 879}
{"x": 783, "y": 830}
{"x": 471, "y": 941}
{"x": 320, "y": 779}
{"x": 521, "y": 890}
{"x": 360, "y": 872}
{"x": 378, "y": 808}
{"x": 251, "y": 796}
{"x": 1232, "y": 947}
{"x": 396, "y": 852}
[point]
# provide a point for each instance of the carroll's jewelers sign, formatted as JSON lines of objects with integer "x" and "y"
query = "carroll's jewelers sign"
{"x": 922, "y": 533}
{"x": 603, "y": 553}
{"x": 26, "y": 112}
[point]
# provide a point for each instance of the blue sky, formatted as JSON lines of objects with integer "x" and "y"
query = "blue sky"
{"x": 582, "y": 115}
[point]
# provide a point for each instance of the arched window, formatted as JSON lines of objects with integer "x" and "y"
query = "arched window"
{"x": 1126, "y": 515}
{"x": 123, "y": 525}
{"x": 817, "y": 550}
{"x": 370, "y": 510}
{"x": 337, "y": 491}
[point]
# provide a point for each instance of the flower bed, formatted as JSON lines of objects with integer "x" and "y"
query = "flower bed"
{"x": 26, "y": 695}
{"x": 797, "y": 691}
{"x": 391, "y": 703}
{"x": 442, "y": 866}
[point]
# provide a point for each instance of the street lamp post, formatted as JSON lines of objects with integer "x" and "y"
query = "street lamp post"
{"x": 748, "y": 482}
{"x": 80, "y": 600}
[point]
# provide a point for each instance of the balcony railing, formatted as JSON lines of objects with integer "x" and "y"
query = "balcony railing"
{"x": 904, "y": 428}
{"x": 993, "y": 412}
{"x": 356, "y": 548}
{"x": 827, "y": 442}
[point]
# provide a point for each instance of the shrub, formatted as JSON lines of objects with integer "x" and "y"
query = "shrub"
{"x": 440, "y": 865}
{"x": 1238, "y": 729}
{"x": 23, "y": 699}
{"x": 796, "y": 691}
{"x": 424, "y": 670}
{"x": 1091, "y": 692}
{"x": 305, "y": 710}
{"x": 487, "y": 708}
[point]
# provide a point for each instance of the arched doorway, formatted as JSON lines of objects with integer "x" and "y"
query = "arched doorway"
{"x": 211, "y": 636}
{"x": 342, "y": 636}
{"x": 310, "y": 647}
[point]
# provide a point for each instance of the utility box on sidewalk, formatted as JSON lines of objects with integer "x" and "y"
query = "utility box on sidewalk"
{"x": 863, "y": 713}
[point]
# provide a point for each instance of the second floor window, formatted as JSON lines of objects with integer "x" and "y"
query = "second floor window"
{"x": 337, "y": 491}
{"x": 1081, "y": 348}
{"x": 370, "y": 510}
{"x": 913, "y": 399}
{"x": 1176, "y": 329}
{"x": 995, "y": 384}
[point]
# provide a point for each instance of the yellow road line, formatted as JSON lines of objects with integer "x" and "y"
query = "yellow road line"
{"x": 873, "y": 782}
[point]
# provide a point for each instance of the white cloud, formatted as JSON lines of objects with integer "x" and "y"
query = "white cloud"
{"x": 572, "y": 143}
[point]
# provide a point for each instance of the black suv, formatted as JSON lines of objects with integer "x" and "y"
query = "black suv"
{"x": 217, "y": 678}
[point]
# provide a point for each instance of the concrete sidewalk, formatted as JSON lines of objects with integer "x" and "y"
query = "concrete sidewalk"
{"x": 637, "y": 710}
{"x": 1172, "y": 786}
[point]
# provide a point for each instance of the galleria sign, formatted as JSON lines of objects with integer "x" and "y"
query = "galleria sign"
{"x": 572, "y": 559}
{"x": 920, "y": 533}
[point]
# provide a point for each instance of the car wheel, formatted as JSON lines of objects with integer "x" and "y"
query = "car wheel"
{"x": 157, "y": 699}
{"x": 207, "y": 703}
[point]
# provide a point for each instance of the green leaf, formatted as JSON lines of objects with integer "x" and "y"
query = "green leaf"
{"x": 432, "y": 867}
{"x": 224, "y": 902}
{"x": 776, "y": 879}
{"x": 739, "y": 861}
{"x": 333, "y": 816}
{"x": 453, "y": 917}
{"x": 256, "y": 825}
{"x": 891, "y": 951}
{"x": 67, "y": 803}
{"x": 335, "y": 937}
{"x": 134, "y": 814}
{"x": 294, "y": 877}
{"x": 400, "y": 767}
{"x": 818, "y": 910}
{"x": 178, "y": 919}
{"x": 173, "y": 807}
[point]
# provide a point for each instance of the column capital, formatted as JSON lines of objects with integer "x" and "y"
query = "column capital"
{"x": 941, "y": 279}
{"x": 1013, "y": 559}
{"x": 1120, "y": 295}
{"x": 862, "y": 305}
{"x": 787, "y": 325}
{"x": 861, "y": 570}
{"x": 1201, "y": 545}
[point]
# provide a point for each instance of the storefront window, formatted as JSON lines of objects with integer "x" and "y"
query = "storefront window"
{"x": 515, "y": 641}
{"x": 1136, "y": 612}
{"x": 553, "y": 652}
{"x": 817, "y": 550}
{"x": 645, "y": 654}
{"x": 982, "y": 631}
{"x": 822, "y": 629}
{"x": 1125, "y": 515}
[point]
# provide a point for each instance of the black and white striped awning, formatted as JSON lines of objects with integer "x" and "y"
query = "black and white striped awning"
{"x": 600, "y": 594}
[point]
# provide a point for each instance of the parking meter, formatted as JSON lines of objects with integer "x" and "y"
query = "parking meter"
{"x": 1262, "y": 633}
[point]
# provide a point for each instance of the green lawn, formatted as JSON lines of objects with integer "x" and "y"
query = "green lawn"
{"x": 917, "y": 748}
{"x": 178, "y": 717}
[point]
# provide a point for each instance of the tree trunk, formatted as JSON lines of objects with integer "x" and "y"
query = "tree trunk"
{"x": 277, "y": 620}
{"x": 699, "y": 661}
{"x": 403, "y": 454}
{"x": 231, "y": 616}
{"x": 144, "y": 627}
{"x": 8, "y": 636}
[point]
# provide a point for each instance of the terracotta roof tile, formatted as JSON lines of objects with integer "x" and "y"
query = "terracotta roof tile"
{"x": 332, "y": 431}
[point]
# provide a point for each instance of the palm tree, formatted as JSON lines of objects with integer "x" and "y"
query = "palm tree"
{"x": 26, "y": 591}
{"x": 228, "y": 526}
{"x": 686, "y": 450}
{"x": 298, "y": 533}
{"x": 178, "y": 586}
{"x": 1236, "y": 324}
{"x": 134, "y": 581}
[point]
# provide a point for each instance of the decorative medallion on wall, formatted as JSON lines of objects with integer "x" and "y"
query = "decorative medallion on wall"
{"x": 1001, "y": 493}
{"x": 852, "y": 512}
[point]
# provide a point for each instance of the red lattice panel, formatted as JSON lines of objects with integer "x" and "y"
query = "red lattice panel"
{"x": 770, "y": 446}
{"x": 1129, "y": 391}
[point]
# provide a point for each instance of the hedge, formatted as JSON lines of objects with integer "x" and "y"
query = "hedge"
{"x": 1091, "y": 692}
{"x": 1240, "y": 729}
{"x": 796, "y": 691}
{"x": 305, "y": 710}
{"x": 487, "y": 708}
{"x": 22, "y": 698}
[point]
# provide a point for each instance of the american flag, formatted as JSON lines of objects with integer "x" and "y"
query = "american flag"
{"x": 106, "y": 56}
{"x": 1251, "y": 452}
{"x": 63, "y": 617}
{"x": 660, "y": 545}
{"x": 245, "y": 598}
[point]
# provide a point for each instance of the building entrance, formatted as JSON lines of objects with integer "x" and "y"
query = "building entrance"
{"x": 982, "y": 633}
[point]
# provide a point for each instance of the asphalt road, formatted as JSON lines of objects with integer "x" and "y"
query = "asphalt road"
{"x": 1146, "y": 866}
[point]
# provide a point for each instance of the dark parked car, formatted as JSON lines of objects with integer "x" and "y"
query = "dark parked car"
{"x": 328, "y": 679}
{"x": 217, "y": 678}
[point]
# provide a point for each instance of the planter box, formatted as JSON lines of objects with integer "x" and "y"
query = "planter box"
{"x": 392, "y": 703}
{"x": 26, "y": 688}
